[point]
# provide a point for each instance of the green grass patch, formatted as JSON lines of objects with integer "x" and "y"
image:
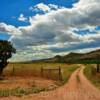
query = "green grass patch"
{"x": 93, "y": 77}
{"x": 19, "y": 92}
{"x": 67, "y": 72}
{"x": 78, "y": 78}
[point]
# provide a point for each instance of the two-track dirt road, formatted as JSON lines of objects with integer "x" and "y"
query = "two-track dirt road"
{"x": 77, "y": 88}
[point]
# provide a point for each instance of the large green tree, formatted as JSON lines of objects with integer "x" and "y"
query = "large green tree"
{"x": 6, "y": 51}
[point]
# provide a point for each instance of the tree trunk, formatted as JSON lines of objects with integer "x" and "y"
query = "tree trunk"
{"x": 1, "y": 70}
{"x": 98, "y": 68}
{"x": 3, "y": 64}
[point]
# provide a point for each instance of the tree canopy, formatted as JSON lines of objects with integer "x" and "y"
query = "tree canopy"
{"x": 6, "y": 50}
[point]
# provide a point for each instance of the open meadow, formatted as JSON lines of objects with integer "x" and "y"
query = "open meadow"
{"x": 34, "y": 69}
{"x": 22, "y": 79}
{"x": 92, "y": 74}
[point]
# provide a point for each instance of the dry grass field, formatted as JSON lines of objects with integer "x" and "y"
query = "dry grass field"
{"x": 34, "y": 69}
{"x": 92, "y": 74}
{"x": 23, "y": 79}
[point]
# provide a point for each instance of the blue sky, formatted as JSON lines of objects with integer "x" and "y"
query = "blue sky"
{"x": 4, "y": 36}
{"x": 51, "y": 27}
{"x": 13, "y": 8}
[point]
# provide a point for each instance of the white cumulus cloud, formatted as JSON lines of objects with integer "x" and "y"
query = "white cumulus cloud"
{"x": 43, "y": 7}
{"x": 47, "y": 31}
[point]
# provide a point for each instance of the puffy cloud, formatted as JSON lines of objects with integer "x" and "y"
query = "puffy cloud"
{"x": 54, "y": 7}
{"x": 22, "y": 18}
{"x": 53, "y": 32}
{"x": 42, "y": 7}
{"x": 90, "y": 10}
{"x": 45, "y": 8}
{"x": 10, "y": 29}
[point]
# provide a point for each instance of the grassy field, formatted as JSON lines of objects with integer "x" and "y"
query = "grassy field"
{"x": 92, "y": 75}
{"x": 34, "y": 69}
{"x": 19, "y": 92}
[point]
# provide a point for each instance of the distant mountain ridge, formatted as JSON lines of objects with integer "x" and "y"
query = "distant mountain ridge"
{"x": 93, "y": 56}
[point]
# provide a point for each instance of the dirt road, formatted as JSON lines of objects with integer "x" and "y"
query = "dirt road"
{"x": 77, "y": 88}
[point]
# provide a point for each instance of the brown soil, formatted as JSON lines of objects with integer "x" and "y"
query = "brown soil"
{"x": 77, "y": 88}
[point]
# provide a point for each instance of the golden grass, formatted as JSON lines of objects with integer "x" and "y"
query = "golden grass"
{"x": 34, "y": 69}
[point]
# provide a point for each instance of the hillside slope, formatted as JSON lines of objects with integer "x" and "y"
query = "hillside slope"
{"x": 93, "y": 56}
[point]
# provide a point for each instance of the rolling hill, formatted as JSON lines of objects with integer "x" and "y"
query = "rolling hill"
{"x": 92, "y": 57}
